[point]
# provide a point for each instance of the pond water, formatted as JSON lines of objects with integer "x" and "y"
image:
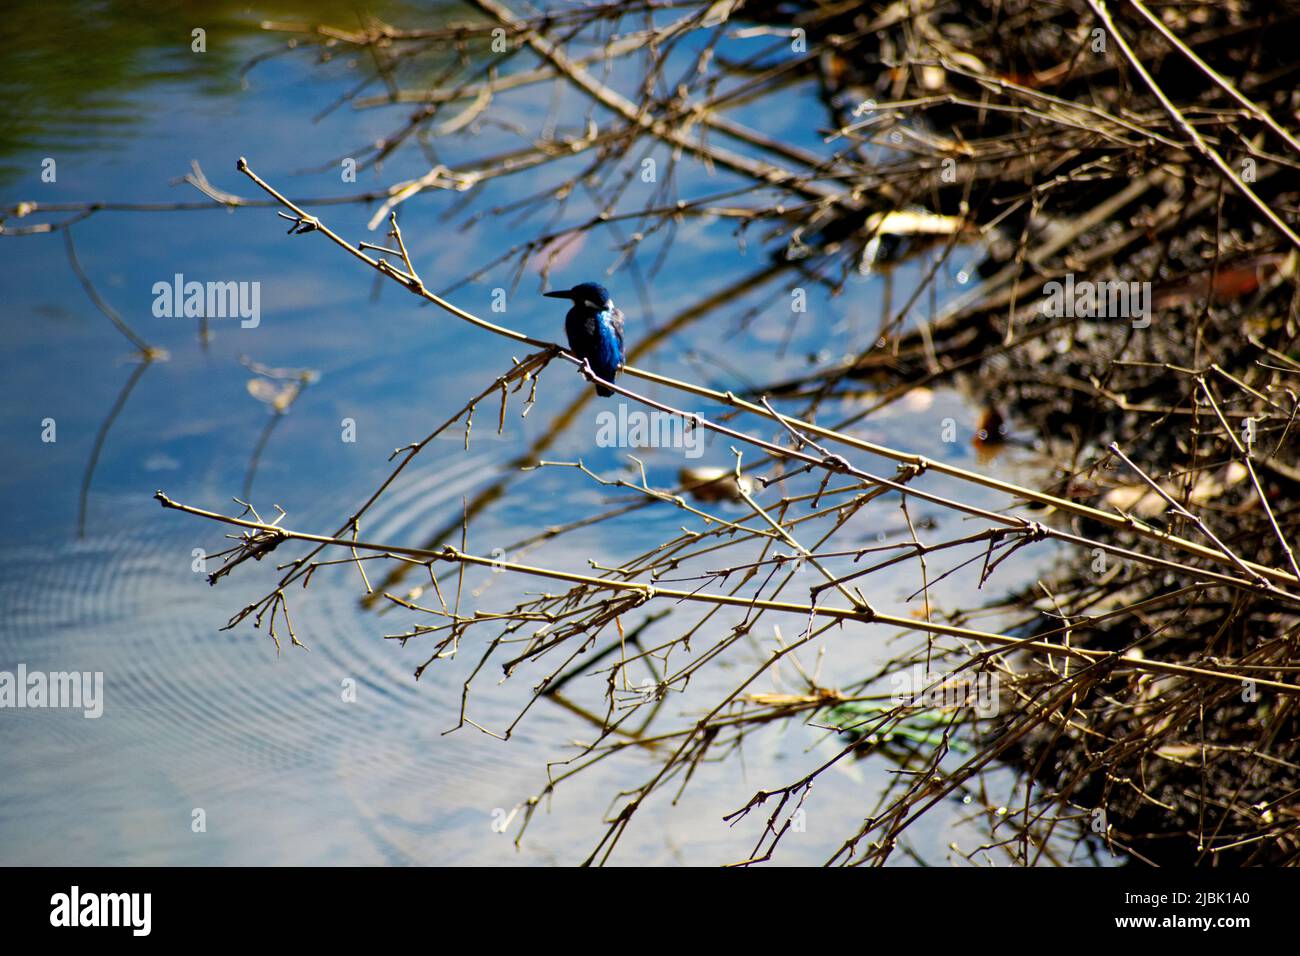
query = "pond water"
{"x": 280, "y": 764}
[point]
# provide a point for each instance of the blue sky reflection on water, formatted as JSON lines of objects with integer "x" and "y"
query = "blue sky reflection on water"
{"x": 284, "y": 771}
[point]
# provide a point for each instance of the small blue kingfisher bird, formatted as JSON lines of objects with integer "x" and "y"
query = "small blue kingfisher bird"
{"x": 595, "y": 329}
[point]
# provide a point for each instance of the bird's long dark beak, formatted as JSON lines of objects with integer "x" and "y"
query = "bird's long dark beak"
{"x": 566, "y": 294}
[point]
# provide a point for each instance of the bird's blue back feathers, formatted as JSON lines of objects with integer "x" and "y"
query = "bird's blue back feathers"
{"x": 595, "y": 330}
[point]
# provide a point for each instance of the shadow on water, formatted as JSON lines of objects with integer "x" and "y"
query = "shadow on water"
{"x": 80, "y": 79}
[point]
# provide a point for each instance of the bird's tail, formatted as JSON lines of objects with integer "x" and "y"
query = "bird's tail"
{"x": 604, "y": 392}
